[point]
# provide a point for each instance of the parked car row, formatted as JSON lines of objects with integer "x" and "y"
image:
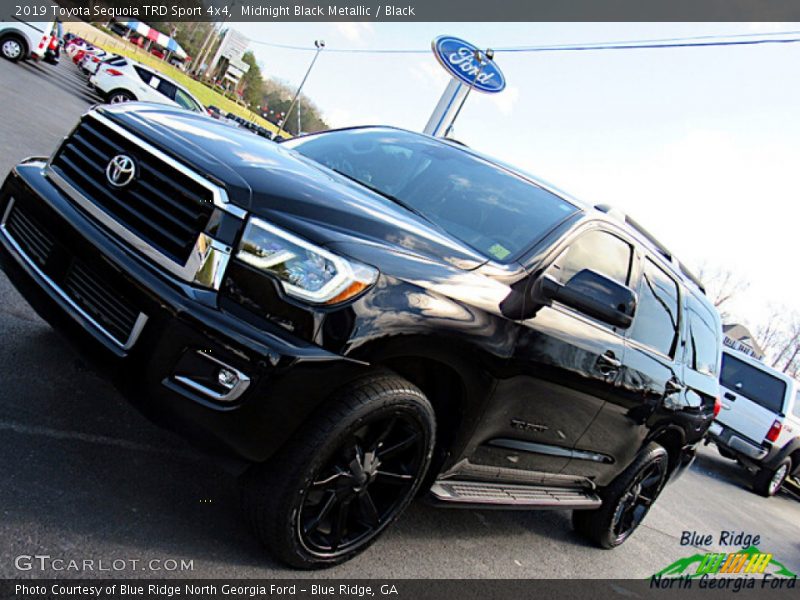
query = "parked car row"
{"x": 120, "y": 79}
{"x": 252, "y": 126}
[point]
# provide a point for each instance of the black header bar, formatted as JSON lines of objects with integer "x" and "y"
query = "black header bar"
{"x": 154, "y": 11}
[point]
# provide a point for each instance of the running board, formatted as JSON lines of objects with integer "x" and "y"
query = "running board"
{"x": 502, "y": 495}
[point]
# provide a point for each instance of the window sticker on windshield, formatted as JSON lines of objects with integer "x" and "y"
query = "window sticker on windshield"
{"x": 499, "y": 251}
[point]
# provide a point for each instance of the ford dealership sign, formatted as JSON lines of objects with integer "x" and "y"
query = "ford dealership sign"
{"x": 458, "y": 57}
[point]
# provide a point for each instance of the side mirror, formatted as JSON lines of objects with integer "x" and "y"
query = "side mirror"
{"x": 594, "y": 295}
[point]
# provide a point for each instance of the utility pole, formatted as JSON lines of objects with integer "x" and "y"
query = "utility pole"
{"x": 320, "y": 44}
{"x": 201, "y": 56}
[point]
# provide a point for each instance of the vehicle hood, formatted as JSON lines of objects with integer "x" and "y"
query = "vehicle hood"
{"x": 282, "y": 186}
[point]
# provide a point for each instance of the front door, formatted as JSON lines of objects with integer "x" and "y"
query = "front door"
{"x": 565, "y": 366}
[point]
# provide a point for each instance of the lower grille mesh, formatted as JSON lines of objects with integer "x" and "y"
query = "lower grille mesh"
{"x": 114, "y": 314}
{"x": 85, "y": 286}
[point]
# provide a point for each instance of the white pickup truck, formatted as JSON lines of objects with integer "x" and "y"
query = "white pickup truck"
{"x": 25, "y": 39}
{"x": 759, "y": 424}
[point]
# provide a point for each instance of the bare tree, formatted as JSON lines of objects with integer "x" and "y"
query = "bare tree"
{"x": 779, "y": 336}
{"x": 722, "y": 285}
{"x": 770, "y": 333}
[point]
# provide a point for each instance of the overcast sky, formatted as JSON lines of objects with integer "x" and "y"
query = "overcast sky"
{"x": 700, "y": 145}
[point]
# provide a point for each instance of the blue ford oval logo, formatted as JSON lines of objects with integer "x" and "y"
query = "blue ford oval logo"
{"x": 460, "y": 60}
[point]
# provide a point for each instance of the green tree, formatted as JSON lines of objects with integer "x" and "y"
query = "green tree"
{"x": 253, "y": 82}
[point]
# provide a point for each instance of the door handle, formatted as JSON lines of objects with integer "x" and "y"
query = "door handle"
{"x": 608, "y": 360}
{"x": 729, "y": 396}
{"x": 673, "y": 387}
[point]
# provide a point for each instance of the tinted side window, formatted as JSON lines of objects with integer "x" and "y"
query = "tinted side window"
{"x": 186, "y": 101}
{"x": 596, "y": 250}
{"x": 144, "y": 74}
{"x": 752, "y": 383}
{"x": 167, "y": 88}
{"x": 702, "y": 347}
{"x": 656, "y": 322}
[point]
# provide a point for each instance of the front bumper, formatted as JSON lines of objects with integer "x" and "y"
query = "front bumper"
{"x": 181, "y": 328}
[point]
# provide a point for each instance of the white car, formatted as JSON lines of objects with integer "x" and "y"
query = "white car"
{"x": 759, "y": 424}
{"x": 24, "y": 39}
{"x": 127, "y": 81}
{"x": 91, "y": 62}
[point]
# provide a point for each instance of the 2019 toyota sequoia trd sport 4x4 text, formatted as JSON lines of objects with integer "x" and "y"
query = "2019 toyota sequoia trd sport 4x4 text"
{"x": 366, "y": 314}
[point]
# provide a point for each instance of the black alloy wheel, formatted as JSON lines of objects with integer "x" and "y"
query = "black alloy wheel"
{"x": 361, "y": 487}
{"x": 626, "y": 500}
{"x": 345, "y": 476}
{"x": 637, "y": 500}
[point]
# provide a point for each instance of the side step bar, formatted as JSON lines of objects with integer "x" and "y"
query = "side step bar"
{"x": 502, "y": 495}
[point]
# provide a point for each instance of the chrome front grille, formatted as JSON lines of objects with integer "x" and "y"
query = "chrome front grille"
{"x": 162, "y": 213}
{"x": 161, "y": 205}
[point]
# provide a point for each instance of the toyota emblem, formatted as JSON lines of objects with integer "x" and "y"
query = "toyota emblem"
{"x": 120, "y": 170}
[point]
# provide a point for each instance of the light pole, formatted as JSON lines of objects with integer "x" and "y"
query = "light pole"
{"x": 320, "y": 44}
{"x": 479, "y": 56}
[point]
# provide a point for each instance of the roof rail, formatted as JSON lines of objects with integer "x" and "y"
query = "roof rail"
{"x": 619, "y": 215}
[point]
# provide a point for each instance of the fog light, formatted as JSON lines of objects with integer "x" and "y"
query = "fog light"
{"x": 227, "y": 378}
{"x": 205, "y": 374}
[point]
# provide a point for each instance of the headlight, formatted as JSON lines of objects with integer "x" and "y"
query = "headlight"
{"x": 305, "y": 271}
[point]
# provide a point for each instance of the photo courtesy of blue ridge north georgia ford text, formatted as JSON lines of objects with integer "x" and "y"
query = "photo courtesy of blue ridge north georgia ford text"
{"x": 323, "y": 301}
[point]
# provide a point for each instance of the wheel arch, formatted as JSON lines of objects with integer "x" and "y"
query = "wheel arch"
{"x": 19, "y": 36}
{"x": 455, "y": 376}
{"x": 445, "y": 389}
{"x": 127, "y": 92}
{"x": 672, "y": 439}
{"x": 790, "y": 451}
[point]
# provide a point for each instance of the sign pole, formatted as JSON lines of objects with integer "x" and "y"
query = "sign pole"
{"x": 452, "y": 97}
{"x": 479, "y": 56}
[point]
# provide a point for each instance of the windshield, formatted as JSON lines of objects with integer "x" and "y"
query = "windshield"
{"x": 498, "y": 213}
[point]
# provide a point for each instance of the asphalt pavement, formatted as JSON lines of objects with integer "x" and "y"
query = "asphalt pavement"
{"x": 86, "y": 478}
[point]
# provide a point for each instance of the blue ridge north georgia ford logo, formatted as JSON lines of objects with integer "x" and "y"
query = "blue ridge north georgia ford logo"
{"x": 458, "y": 58}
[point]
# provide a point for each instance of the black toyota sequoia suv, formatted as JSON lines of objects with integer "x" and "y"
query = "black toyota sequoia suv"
{"x": 366, "y": 315}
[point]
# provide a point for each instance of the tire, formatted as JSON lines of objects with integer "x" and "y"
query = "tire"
{"x": 768, "y": 482}
{"x": 119, "y": 96}
{"x": 626, "y": 501}
{"x": 12, "y": 47}
{"x": 353, "y": 469}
